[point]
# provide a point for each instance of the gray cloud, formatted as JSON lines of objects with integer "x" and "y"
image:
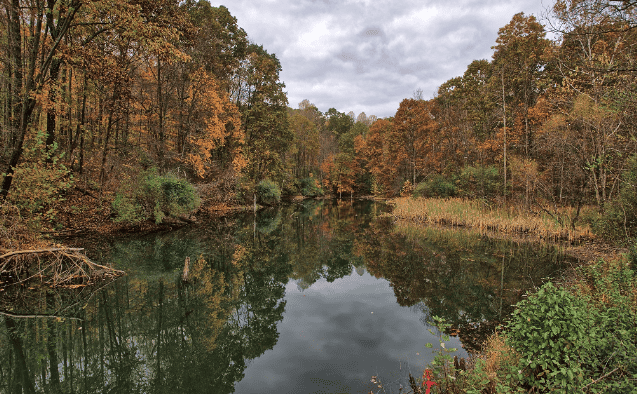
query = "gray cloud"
{"x": 364, "y": 55}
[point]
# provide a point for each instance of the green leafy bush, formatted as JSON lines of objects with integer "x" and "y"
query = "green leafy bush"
{"x": 582, "y": 341}
{"x": 611, "y": 291}
{"x": 268, "y": 193}
{"x": 436, "y": 186}
{"x": 154, "y": 196}
{"x": 310, "y": 187}
{"x": 38, "y": 184}
{"x": 480, "y": 182}
{"x": 552, "y": 330}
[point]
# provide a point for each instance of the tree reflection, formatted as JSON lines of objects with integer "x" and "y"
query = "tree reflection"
{"x": 158, "y": 336}
{"x": 469, "y": 280}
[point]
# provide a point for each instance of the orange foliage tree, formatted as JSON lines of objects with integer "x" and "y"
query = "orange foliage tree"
{"x": 213, "y": 127}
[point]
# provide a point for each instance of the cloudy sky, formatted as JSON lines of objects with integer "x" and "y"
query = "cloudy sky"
{"x": 368, "y": 55}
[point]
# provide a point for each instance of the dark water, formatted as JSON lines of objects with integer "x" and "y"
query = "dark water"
{"x": 314, "y": 297}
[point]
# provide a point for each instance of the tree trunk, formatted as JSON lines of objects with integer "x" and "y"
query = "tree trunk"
{"x": 504, "y": 120}
{"x": 50, "y": 112}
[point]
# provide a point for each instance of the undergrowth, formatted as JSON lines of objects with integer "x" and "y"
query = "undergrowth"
{"x": 577, "y": 338}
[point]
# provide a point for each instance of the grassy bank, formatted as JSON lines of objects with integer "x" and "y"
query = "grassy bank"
{"x": 476, "y": 214}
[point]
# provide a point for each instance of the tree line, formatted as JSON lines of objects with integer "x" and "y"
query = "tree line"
{"x": 545, "y": 123}
{"x": 101, "y": 90}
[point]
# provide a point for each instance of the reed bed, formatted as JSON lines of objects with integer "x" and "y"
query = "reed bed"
{"x": 479, "y": 215}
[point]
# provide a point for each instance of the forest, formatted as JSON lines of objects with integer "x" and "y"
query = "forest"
{"x": 158, "y": 106}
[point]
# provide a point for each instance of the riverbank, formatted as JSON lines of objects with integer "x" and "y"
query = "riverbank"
{"x": 513, "y": 223}
{"x": 586, "y": 341}
{"x": 477, "y": 214}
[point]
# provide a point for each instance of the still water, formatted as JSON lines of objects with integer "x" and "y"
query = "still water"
{"x": 313, "y": 297}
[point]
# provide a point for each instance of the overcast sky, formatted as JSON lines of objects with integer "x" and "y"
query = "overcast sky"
{"x": 368, "y": 55}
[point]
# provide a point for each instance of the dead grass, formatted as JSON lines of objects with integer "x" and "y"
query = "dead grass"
{"x": 499, "y": 356}
{"x": 476, "y": 214}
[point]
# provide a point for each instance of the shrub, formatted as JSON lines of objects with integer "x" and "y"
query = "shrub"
{"x": 610, "y": 289}
{"x": 154, "y": 197}
{"x": 570, "y": 343}
{"x": 436, "y": 186}
{"x": 37, "y": 185}
{"x": 310, "y": 187}
{"x": 580, "y": 340}
{"x": 551, "y": 330}
{"x": 268, "y": 193}
{"x": 481, "y": 182}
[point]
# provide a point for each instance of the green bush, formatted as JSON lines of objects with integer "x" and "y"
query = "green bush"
{"x": 436, "y": 186}
{"x": 611, "y": 292}
{"x": 268, "y": 193}
{"x": 154, "y": 197}
{"x": 619, "y": 220}
{"x": 577, "y": 340}
{"x": 310, "y": 187}
{"x": 480, "y": 182}
{"x": 584, "y": 341}
{"x": 551, "y": 330}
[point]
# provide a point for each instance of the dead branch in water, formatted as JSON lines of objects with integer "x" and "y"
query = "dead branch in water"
{"x": 56, "y": 266}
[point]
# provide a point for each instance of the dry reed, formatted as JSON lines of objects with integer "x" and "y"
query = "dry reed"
{"x": 477, "y": 214}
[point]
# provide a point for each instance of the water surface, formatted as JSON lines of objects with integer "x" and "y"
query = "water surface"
{"x": 314, "y": 297}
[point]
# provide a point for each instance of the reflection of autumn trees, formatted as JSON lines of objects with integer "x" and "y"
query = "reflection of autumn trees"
{"x": 470, "y": 281}
{"x": 145, "y": 335}
{"x": 150, "y": 332}
{"x": 321, "y": 238}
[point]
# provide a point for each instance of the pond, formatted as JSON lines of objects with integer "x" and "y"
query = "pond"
{"x": 312, "y": 297}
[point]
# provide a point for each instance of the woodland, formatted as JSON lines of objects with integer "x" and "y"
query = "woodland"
{"x": 110, "y": 95}
{"x": 150, "y": 111}
{"x": 157, "y": 106}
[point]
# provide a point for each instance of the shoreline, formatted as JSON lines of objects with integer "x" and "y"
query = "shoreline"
{"x": 86, "y": 216}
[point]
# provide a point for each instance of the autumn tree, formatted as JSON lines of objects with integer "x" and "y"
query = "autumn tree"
{"x": 412, "y": 144}
{"x": 35, "y": 34}
{"x": 305, "y": 147}
{"x": 376, "y": 149}
{"x": 518, "y": 61}
{"x": 213, "y": 127}
{"x": 595, "y": 64}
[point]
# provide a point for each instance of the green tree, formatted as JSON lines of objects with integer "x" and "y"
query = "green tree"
{"x": 264, "y": 116}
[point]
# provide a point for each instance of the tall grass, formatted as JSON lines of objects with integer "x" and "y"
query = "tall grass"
{"x": 479, "y": 215}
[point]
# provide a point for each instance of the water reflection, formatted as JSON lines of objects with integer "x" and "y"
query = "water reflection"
{"x": 288, "y": 289}
{"x": 468, "y": 279}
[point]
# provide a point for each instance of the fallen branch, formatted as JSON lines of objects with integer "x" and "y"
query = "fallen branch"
{"x": 61, "y": 266}
{"x": 34, "y": 251}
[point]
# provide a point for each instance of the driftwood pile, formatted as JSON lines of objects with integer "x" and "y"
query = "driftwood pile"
{"x": 54, "y": 266}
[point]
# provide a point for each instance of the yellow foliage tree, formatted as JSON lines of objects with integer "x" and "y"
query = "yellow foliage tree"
{"x": 215, "y": 138}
